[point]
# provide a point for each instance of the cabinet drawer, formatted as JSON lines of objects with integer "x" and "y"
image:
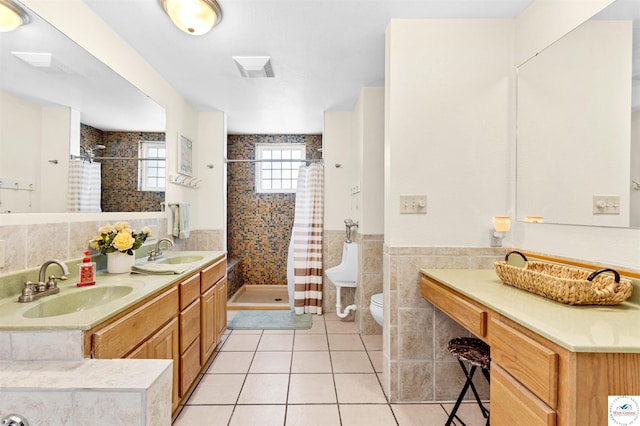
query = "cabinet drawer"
{"x": 189, "y": 366}
{"x": 212, "y": 274}
{"x": 120, "y": 337}
{"x": 189, "y": 290}
{"x": 531, "y": 363}
{"x": 189, "y": 325}
{"x": 512, "y": 404}
{"x": 470, "y": 316}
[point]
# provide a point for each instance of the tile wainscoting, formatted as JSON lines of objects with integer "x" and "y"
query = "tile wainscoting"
{"x": 29, "y": 246}
{"x": 416, "y": 363}
{"x": 369, "y": 276}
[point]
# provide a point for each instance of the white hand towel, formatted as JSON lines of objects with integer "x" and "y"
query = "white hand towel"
{"x": 176, "y": 221}
{"x": 183, "y": 221}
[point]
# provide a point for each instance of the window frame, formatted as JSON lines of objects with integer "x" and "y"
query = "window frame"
{"x": 288, "y": 166}
{"x": 145, "y": 162}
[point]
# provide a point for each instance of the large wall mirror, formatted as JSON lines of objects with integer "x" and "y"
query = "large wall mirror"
{"x": 74, "y": 135}
{"x": 578, "y": 125}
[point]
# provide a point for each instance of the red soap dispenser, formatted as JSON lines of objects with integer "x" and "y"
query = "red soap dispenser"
{"x": 87, "y": 271}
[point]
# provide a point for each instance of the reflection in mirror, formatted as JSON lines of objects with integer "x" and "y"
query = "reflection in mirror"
{"x": 56, "y": 99}
{"x": 574, "y": 125}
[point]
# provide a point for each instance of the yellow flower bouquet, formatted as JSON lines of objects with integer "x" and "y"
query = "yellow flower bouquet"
{"x": 119, "y": 237}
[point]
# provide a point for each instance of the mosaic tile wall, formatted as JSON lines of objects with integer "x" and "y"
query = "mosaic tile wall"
{"x": 120, "y": 177}
{"x": 259, "y": 225}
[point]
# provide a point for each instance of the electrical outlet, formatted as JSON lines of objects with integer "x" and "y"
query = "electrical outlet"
{"x": 413, "y": 204}
{"x": 606, "y": 204}
{"x": 2, "y": 249}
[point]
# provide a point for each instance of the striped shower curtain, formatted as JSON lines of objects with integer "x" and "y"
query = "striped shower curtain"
{"x": 84, "y": 186}
{"x": 307, "y": 240}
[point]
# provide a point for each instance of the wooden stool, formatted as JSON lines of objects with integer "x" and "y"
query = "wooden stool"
{"x": 476, "y": 353}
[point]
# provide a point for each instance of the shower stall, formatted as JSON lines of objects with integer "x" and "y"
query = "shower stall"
{"x": 259, "y": 224}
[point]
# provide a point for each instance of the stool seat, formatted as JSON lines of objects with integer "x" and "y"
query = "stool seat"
{"x": 472, "y": 350}
{"x": 476, "y": 353}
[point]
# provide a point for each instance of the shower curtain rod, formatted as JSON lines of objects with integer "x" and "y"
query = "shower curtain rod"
{"x": 271, "y": 160}
{"x": 84, "y": 157}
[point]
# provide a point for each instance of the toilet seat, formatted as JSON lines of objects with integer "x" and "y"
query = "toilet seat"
{"x": 377, "y": 299}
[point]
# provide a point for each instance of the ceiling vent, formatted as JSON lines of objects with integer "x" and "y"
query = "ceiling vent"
{"x": 254, "y": 66}
{"x": 44, "y": 60}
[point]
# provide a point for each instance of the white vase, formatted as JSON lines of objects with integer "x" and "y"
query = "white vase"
{"x": 119, "y": 263}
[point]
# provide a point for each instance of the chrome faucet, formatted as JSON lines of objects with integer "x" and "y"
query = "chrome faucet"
{"x": 157, "y": 252}
{"x": 350, "y": 224}
{"x": 34, "y": 291}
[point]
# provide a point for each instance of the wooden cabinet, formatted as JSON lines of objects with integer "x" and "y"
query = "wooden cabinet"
{"x": 470, "y": 315}
{"x": 213, "y": 284}
{"x": 183, "y": 323}
{"x": 513, "y": 404}
{"x": 221, "y": 308}
{"x": 121, "y": 336}
{"x": 208, "y": 335}
{"x": 529, "y": 362}
{"x": 164, "y": 345}
{"x": 535, "y": 381}
{"x": 190, "y": 330}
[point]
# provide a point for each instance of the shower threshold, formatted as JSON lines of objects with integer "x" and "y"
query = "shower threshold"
{"x": 268, "y": 297}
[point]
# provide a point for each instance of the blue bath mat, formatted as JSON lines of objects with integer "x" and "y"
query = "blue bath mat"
{"x": 269, "y": 320}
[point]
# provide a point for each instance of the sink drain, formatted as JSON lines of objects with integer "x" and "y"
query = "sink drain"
{"x": 278, "y": 299}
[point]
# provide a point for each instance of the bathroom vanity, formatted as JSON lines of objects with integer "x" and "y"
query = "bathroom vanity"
{"x": 551, "y": 363}
{"x": 179, "y": 317}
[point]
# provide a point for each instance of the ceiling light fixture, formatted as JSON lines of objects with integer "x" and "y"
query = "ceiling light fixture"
{"x": 195, "y": 17}
{"x": 11, "y": 16}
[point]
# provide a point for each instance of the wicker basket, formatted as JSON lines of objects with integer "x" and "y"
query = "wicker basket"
{"x": 565, "y": 284}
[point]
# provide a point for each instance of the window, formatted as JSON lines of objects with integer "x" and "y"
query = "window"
{"x": 277, "y": 170}
{"x": 152, "y": 170}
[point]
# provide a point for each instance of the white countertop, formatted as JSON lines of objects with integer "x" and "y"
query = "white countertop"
{"x": 576, "y": 328}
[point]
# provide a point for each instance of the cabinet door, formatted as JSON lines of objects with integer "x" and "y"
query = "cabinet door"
{"x": 141, "y": 352}
{"x": 189, "y": 367}
{"x": 208, "y": 335}
{"x": 165, "y": 345}
{"x": 221, "y": 308}
{"x": 119, "y": 338}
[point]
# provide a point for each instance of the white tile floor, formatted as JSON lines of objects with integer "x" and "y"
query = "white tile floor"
{"x": 325, "y": 376}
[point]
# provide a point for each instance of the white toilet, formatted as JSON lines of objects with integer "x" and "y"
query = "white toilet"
{"x": 376, "y": 307}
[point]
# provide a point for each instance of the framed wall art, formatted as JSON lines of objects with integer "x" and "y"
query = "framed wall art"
{"x": 185, "y": 156}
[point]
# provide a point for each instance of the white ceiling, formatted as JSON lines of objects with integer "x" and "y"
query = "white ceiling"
{"x": 322, "y": 52}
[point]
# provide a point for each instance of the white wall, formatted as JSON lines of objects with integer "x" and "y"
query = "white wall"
{"x": 338, "y": 141}
{"x": 545, "y": 21}
{"x": 447, "y": 135}
{"x": 210, "y": 212}
{"x": 355, "y": 140}
{"x": 372, "y": 160}
{"x": 21, "y": 142}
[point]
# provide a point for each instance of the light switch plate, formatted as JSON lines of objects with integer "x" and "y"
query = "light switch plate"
{"x": 606, "y": 204}
{"x": 413, "y": 204}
